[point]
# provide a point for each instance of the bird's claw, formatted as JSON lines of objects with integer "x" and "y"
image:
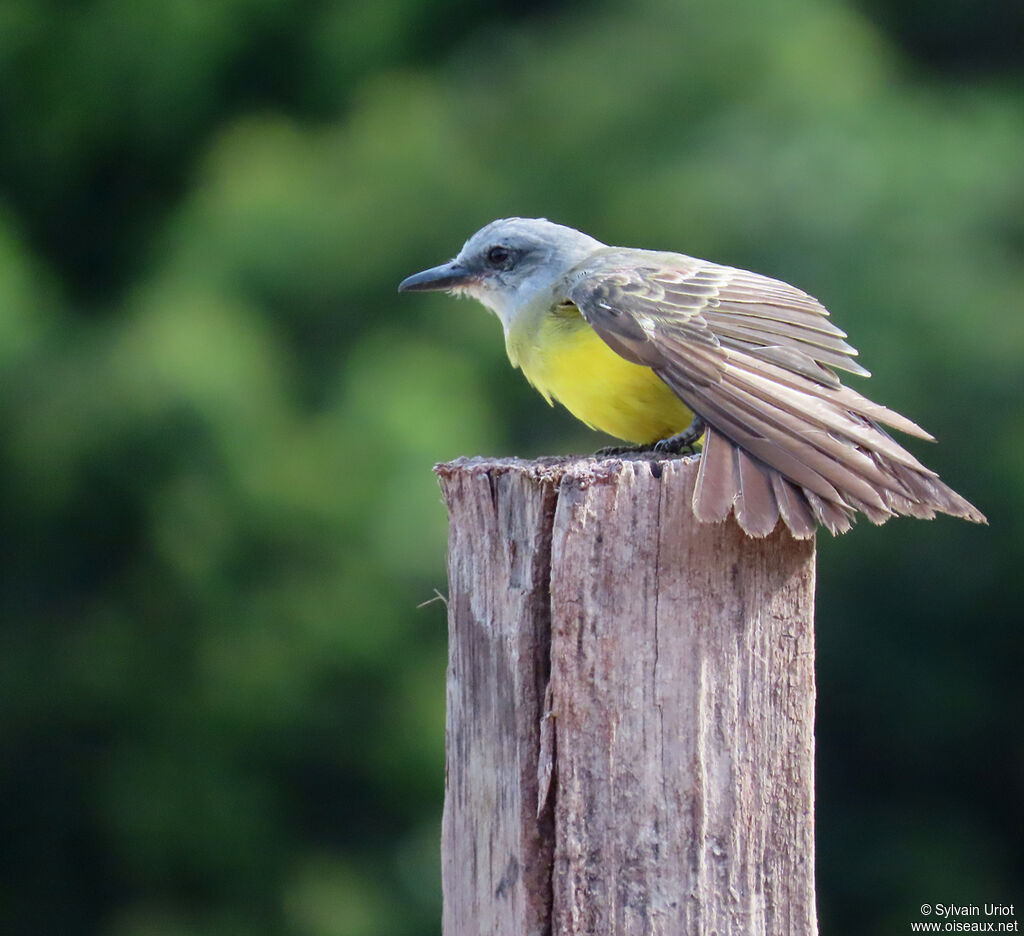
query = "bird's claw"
{"x": 674, "y": 447}
{"x": 684, "y": 443}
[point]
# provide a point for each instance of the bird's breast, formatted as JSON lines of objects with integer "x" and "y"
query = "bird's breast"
{"x": 566, "y": 360}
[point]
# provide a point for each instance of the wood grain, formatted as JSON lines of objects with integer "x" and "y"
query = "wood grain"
{"x": 649, "y": 681}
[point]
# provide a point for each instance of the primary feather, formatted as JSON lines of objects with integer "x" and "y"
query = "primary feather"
{"x": 755, "y": 358}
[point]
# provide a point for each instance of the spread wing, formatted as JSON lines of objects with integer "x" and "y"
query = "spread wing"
{"x": 757, "y": 360}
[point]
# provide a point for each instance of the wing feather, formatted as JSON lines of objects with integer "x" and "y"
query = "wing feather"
{"x": 763, "y": 332}
{"x": 753, "y": 357}
{"x": 795, "y": 315}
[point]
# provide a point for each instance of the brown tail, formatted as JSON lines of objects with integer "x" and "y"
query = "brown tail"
{"x": 731, "y": 479}
{"x": 778, "y": 446}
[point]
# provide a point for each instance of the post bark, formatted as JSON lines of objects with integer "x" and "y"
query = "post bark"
{"x": 630, "y": 744}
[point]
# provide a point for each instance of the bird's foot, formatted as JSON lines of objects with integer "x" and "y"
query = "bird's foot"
{"x": 684, "y": 442}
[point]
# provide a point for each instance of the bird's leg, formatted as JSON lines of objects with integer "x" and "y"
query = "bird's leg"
{"x": 684, "y": 441}
{"x": 673, "y": 445}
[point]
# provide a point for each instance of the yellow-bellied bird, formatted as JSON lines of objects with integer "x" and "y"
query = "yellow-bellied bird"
{"x": 656, "y": 347}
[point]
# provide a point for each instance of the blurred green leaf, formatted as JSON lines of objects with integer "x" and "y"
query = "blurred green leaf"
{"x": 223, "y": 709}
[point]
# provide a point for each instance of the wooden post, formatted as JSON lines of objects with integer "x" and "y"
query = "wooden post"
{"x": 630, "y": 744}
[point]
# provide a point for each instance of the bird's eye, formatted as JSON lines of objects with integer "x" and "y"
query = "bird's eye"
{"x": 498, "y": 256}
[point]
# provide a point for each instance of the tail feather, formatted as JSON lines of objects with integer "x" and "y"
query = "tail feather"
{"x": 717, "y": 479}
{"x": 756, "y": 508}
{"x": 808, "y": 455}
{"x": 796, "y": 512}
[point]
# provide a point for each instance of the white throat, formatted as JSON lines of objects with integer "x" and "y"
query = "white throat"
{"x": 508, "y": 302}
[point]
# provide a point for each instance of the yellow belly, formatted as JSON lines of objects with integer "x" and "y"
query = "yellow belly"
{"x": 567, "y": 361}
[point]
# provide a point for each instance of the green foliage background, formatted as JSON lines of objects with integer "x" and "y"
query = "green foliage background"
{"x": 221, "y": 711}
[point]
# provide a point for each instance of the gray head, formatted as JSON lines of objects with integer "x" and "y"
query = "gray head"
{"x": 508, "y": 262}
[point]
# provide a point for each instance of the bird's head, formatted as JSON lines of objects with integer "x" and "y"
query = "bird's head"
{"x": 507, "y": 263}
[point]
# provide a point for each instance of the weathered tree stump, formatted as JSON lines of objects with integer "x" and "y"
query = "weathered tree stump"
{"x": 630, "y": 744}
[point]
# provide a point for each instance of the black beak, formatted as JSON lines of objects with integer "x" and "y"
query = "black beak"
{"x": 446, "y": 276}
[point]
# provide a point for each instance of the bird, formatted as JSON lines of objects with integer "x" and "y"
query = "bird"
{"x": 661, "y": 350}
